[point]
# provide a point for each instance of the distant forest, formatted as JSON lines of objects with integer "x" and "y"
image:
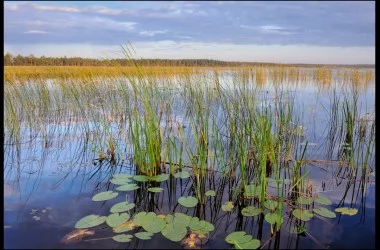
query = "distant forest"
{"x": 10, "y": 60}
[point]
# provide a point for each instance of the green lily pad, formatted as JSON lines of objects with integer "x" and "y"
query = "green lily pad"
{"x": 154, "y": 225}
{"x": 305, "y": 200}
{"x": 122, "y": 238}
{"x": 272, "y": 218}
{"x": 122, "y": 176}
{"x": 139, "y": 218}
{"x": 155, "y": 189}
{"x": 299, "y": 230}
{"x": 141, "y": 178}
{"x": 182, "y": 175}
{"x": 103, "y": 196}
{"x": 120, "y": 181}
{"x": 181, "y": 219}
{"x": 127, "y": 187}
{"x": 144, "y": 235}
{"x": 228, "y": 206}
{"x": 160, "y": 178}
{"x": 114, "y": 220}
{"x": 238, "y": 237}
{"x": 122, "y": 207}
{"x": 251, "y": 211}
{"x": 174, "y": 233}
{"x": 210, "y": 193}
{"x": 324, "y": 212}
{"x": 169, "y": 218}
{"x": 196, "y": 224}
{"x": 90, "y": 221}
{"x": 303, "y": 215}
{"x": 208, "y": 227}
{"x": 188, "y": 201}
{"x": 323, "y": 200}
{"x": 252, "y": 244}
{"x": 271, "y": 205}
{"x": 347, "y": 210}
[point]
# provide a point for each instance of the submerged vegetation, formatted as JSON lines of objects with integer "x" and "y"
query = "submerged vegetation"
{"x": 223, "y": 143}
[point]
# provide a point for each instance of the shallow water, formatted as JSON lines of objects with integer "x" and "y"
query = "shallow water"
{"x": 59, "y": 178}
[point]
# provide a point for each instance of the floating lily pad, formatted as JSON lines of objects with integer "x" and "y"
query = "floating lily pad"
{"x": 127, "y": 187}
{"x": 90, "y": 221}
{"x": 238, "y": 237}
{"x": 272, "y": 218}
{"x": 144, "y": 235}
{"x": 114, "y": 220}
{"x": 103, "y": 196}
{"x": 303, "y": 215}
{"x": 323, "y": 200}
{"x": 122, "y": 238}
{"x": 252, "y": 244}
{"x": 122, "y": 207}
{"x": 182, "y": 175}
{"x": 228, "y": 206}
{"x": 155, "y": 189}
{"x": 139, "y": 217}
{"x": 210, "y": 193}
{"x": 251, "y": 211}
{"x": 181, "y": 219}
{"x": 305, "y": 200}
{"x": 174, "y": 233}
{"x": 208, "y": 227}
{"x": 141, "y": 178}
{"x": 196, "y": 224}
{"x": 169, "y": 218}
{"x": 122, "y": 176}
{"x": 324, "y": 212}
{"x": 347, "y": 210}
{"x": 188, "y": 201}
{"x": 155, "y": 225}
{"x": 160, "y": 178}
{"x": 271, "y": 205}
{"x": 120, "y": 181}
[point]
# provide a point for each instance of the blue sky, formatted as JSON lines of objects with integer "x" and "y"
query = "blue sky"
{"x": 283, "y": 32}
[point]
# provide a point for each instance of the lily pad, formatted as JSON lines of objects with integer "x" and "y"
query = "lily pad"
{"x": 155, "y": 189}
{"x": 127, "y": 187}
{"x": 238, "y": 237}
{"x": 114, "y": 220}
{"x": 144, "y": 235}
{"x": 182, "y": 175}
{"x": 324, "y": 212}
{"x": 103, "y": 196}
{"x": 228, "y": 206}
{"x": 122, "y": 207}
{"x": 347, "y": 210}
{"x": 303, "y": 215}
{"x": 188, "y": 201}
{"x": 305, "y": 200}
{"x": 120, "y": 181}
{"x": 122, "y": 176}
{"x": 155, "y": 225}
{"x": 196, "y": 224}
{"x": 323, "y": 200}
{"x": 122, "y": 238}
{"x": 252, "y": 244}
{"x": 251, "y": 211}
{"x": 181, "y": 219}
{"x": 174, "y": 233}
{"x": 139, "y": 218}
{"x": 210, "y": 193}
{"x": 160, "y": 178}
{"x": 272, "y": 218}
{"x": 90, "y": 221}
{"x": 271, "y": 205}
{"x": 141, "y": 178}
{"x": 252, "y": 191}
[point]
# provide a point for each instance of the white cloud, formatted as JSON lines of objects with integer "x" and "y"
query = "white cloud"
{"x": 57, "y": 8}
{"x": 152, "y": 33}
{"x": 35, "y": 32}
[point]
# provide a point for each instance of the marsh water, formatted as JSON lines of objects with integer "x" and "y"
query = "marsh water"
{"x": 53, "y": 166}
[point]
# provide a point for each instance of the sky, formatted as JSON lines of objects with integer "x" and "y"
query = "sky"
{"x": 322, "y": 32}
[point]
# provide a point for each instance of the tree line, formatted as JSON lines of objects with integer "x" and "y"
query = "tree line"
{"x": 19, "y": 60}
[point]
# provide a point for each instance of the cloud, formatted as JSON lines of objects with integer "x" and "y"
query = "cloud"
{"x": 152, "y": 33}
{"x": 35, "y": 32}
